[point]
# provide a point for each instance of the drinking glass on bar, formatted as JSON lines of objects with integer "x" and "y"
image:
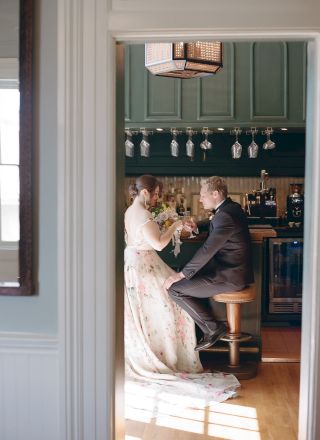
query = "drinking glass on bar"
{"x": 189, "y": 225}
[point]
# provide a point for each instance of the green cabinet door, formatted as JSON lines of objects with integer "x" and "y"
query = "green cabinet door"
{"x": 149, "y": 99}
{"x": 211, "y": 100}
{"x": 277, "y": 83}
{"x": 268, "y": 81}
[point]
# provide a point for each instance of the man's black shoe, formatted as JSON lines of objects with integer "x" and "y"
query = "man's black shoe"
{"x": 210, "y": 339}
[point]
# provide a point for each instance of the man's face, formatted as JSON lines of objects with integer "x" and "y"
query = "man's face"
{"x": 209, "y": 199}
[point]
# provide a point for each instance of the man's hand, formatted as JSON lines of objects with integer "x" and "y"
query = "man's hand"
{"x": 173, "y": 279}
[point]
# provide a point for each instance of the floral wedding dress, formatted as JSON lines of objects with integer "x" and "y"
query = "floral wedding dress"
{"x": 160, "y": 336}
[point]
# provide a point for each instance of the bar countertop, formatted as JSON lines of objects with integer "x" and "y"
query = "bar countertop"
{"x": 257, "y": 235}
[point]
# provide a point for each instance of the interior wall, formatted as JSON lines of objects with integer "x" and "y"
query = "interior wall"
{"x": 38, "y": 313}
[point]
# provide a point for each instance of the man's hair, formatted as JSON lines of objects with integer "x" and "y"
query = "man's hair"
{"x": 216, "y": 183}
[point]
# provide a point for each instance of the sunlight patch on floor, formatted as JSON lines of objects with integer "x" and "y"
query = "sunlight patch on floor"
{"x": 236, "y": 410}
{"x": 219, "y": 418}
{"x": 225, "y": 432}
{"x": 223, "y": 420}
{"x": 180, "y": 424}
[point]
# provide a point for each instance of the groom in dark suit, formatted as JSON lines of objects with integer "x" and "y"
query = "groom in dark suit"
{"x": 222, "y": 264}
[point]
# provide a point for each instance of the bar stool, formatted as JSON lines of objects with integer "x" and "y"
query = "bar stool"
{"x": 233, "y": 301}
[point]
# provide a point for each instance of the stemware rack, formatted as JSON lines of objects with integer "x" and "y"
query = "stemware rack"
{"x": 181, "y": 136}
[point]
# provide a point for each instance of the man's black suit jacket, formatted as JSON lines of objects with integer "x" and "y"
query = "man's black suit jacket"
{"x": 226, "y": 254}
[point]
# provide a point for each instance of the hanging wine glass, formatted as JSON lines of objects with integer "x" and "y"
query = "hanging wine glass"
{"x": 144, "y": 144}
{"x": 205, "y": 144}
{"x": 129, "y": 145}
{"x": 190, "y": 144}
{"x": 174, "y": 146}
{"x": 253, "y": 148}
{"x": 269, "y": 144}
{"x": 236, "y": 148}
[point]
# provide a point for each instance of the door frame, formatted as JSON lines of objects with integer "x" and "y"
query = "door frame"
{"x": 308, "y": 397}
{"x": 90, "y": 239}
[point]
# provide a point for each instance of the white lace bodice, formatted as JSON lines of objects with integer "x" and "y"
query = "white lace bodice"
{"x": 136, "y": 239}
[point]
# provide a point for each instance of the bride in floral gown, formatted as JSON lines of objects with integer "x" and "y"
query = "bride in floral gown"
{"x": 159, "y": 335}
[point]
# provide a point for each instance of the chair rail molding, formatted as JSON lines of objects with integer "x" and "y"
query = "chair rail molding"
{"x": 28, "y": 342}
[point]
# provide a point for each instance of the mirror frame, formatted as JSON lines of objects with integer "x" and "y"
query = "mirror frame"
{"x": 25, "y": 146}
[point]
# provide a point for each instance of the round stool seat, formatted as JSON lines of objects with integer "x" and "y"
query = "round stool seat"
{"x": 248, "y": 294}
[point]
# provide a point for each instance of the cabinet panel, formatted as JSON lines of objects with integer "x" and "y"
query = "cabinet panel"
{"x": 162, "y": 98}
{"x": 269, "y": 81}
{"x": 134, "y": 85}
{"x": 297, "y": 61}
{"x": 216, "y": 95}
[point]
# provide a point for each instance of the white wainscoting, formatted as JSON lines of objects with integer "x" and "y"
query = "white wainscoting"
{"x": 29, "y": 387}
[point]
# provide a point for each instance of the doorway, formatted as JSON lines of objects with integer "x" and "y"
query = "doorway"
{"x": 306, "y": 296}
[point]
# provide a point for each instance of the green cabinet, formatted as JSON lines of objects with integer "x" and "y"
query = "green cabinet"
{"x": 261, "y": 84}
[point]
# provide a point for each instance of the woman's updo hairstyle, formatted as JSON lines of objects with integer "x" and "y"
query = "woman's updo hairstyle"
{"x": 148, "y": 182}
{"x": 133, "y": 191}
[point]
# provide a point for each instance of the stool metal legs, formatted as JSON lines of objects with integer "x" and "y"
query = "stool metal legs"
{"x": 245, "y": 370}
{"x": 234, "y": 321}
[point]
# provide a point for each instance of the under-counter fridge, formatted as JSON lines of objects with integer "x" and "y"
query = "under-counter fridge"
{"x": 282, "y": 280}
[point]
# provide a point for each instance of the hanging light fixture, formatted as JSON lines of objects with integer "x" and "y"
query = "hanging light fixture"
{"x": 184, "y": 60}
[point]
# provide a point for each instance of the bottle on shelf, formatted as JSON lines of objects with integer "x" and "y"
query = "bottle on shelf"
{"x": 171, "y": 199}
{"x": 181, "y": 202}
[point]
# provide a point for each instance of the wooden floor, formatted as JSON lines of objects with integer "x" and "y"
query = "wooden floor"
{"x": 266, "y": 407}
{"x": 281, "y": 344}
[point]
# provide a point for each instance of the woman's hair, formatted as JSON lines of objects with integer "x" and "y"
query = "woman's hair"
{"x": 216, "y": 183}
{"x": 148, "y": 182}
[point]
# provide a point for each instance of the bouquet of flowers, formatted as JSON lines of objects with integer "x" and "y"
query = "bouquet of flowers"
{"x": 165, "y": 216}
